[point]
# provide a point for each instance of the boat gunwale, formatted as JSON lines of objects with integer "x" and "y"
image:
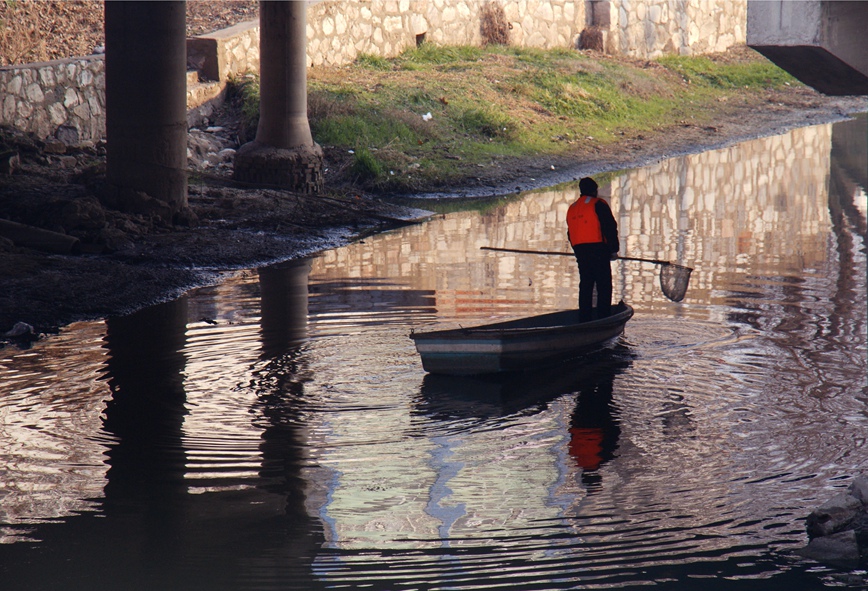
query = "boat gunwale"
{"x": 493, "y": 331}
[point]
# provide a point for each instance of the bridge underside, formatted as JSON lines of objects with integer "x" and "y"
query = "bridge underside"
{"x": 818, "y": 68}
{"x": 820, "y": 42}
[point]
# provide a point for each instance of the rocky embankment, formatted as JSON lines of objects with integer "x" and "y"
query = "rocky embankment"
{"x": 838, "y": 529}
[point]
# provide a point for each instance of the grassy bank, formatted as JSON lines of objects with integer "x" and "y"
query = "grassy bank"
{"x": 434, "y": 115}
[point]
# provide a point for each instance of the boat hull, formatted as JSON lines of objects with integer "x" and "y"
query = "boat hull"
{"x": 516, "y": 345}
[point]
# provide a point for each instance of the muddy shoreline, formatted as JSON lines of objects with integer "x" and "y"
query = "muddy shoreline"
{"x": 239, "y": 228}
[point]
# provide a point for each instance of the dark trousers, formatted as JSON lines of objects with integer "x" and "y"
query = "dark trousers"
{"x": 595, "y": 270}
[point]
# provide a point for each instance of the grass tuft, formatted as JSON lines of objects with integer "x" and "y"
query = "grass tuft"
{"x": 246, "y": 90}
{"x": 365, "y": 166}
{"x": 373, "y": 62}
{"x": 486, "y": 122}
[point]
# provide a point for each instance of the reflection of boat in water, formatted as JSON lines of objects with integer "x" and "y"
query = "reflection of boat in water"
{"x": 594, "y": 430}
{"x": 522, "y": 344}
{"x": 494, "y": 395}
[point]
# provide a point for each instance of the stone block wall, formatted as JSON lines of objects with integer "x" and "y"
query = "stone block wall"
{"x": 223, "y": 53}
{"x": 61, "y": 98}
{"x": 340, "y": 30}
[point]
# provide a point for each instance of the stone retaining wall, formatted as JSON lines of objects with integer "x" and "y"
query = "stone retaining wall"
{"x": 64, "y": 98}
{"x": 68, "y": 95}
{"x": 338, "y": 31}
{"x": 225, "y": 53}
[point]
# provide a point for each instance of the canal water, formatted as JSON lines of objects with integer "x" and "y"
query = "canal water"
{"x": 277, "y": 431}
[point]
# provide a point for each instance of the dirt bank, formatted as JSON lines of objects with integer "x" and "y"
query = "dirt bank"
{"x": 122, "y": 262}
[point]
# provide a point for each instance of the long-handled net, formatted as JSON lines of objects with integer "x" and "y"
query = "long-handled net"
{"x": 673, "y": 278}
{"x": 673, "y": 281}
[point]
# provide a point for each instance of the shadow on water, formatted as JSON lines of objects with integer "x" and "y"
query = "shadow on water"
{"x": 293, "y": 441}
{"x": 822, "y": 343}
{"x": 848, "y": 176}
{"x": 497, "y": 395}
{"x": 144, "y": 417}
{"x": 279, "y": 386}
{"x": 594, "y": 424}
{"x": 284, "y": 306}
{"x": 150, "y": 532}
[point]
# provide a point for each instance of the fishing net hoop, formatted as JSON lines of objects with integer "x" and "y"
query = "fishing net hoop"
{"x": 674, "y": 280}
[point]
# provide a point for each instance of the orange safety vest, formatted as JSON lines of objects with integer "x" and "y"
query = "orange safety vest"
{"x": 586, "y": 447}
{"x": 583, "y": 224}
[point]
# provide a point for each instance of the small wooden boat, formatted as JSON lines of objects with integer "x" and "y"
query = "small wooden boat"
{"x": 525, "y": 343}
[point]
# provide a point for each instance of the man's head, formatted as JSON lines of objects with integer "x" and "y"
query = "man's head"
{"x": 588, "y": 186}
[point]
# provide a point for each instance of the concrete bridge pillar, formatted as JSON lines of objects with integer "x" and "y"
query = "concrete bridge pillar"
{"x": 820, "y": 42}
{"x": 146, "y": 117}
{"x": 283, "y": 153}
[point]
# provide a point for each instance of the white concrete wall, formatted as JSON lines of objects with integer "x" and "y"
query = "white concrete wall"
{"x": 778, "y": 22}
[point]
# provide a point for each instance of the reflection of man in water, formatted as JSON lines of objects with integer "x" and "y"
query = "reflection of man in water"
{"x": 593, "y": 234}
{"x": 594, "y": 432}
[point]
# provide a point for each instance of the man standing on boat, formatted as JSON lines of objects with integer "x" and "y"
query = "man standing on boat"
{"x": 593, "y": 234}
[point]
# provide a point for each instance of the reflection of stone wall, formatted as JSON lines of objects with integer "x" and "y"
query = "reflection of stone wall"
{"x": 454, "y": 492}
{"x": 760, "y": 207}
{"x": 59, "y": 386}
{"x": 756, "y": 207}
